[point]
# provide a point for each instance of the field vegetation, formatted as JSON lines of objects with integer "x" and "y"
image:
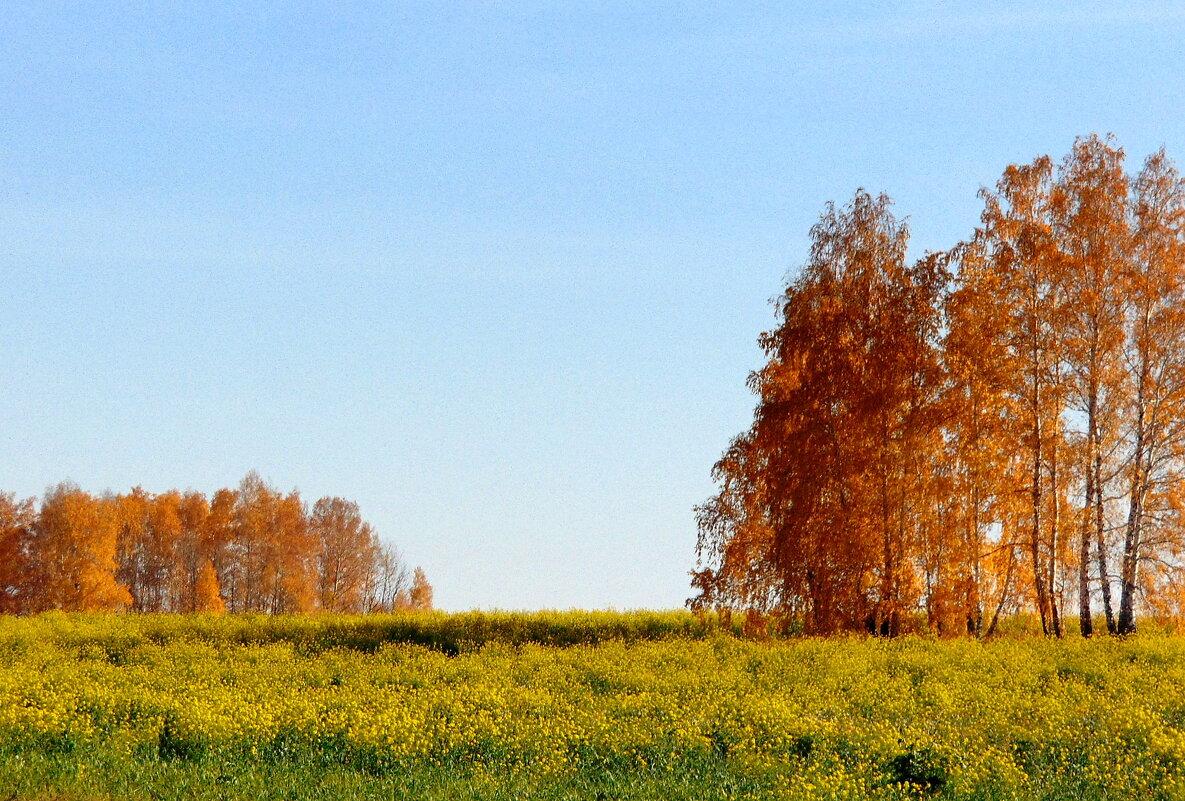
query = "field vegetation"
{"x": 575, "y": 705}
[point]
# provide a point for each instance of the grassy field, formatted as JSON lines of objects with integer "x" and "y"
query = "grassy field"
{"x": 574, "y": 705}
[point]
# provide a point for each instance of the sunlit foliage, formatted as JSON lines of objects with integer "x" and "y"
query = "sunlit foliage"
{"x": 993, "y": 428}
{"x": 249, "y": 549}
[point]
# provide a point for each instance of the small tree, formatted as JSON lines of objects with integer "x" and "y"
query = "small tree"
{"x": 207, "y": 597}
{"x": 389, "y": 581}
{"x": 420, "y": 593}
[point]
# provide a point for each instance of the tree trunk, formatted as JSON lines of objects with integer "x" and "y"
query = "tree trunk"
{"x": 1055, "y": 528}
{"x": 1104, "y": 576}
{"x": 1005, "y": 592}
{"x": 1135, "y": 519}
{"x": 1131, "y": 546}
{"x": 1085, "y": 624}
{"x": 974, "y": 602}
{"x": 1037, "y": 499}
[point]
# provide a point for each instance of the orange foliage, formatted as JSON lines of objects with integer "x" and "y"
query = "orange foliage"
{"x": 988, "y": 429}
{"x": 72, "y": 556}
{"x": 420, "y": 594}
{"x": 207, "y": 597}
{"x": 253, "y": 549}
{"x": 347, "y": 550}
{"x": 17, "y": 521}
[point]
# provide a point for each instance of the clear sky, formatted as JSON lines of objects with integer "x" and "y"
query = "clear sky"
{"x": 493, "y": 270}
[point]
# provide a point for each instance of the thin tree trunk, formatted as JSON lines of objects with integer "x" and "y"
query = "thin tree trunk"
{"x": 1005, "y": 592}
{"x": 1100, "y": 536}
{"x": 974, "y": 603}
{"x": 884, "y": 623}
{"x": 1035, "y": 533}
{"x": 1055, "y": 527}
{"x": 1085, "y": 624}
{"x": 1131, "y": 540}
{"x": 1131, "y": 544}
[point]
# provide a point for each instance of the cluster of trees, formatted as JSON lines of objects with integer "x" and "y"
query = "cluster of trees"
{"x": 250, "y": 549}
{"x": 988, "y": 430}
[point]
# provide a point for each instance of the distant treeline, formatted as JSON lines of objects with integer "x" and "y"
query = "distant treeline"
{"x": 250, "y": 549}
{"x": 991, "y": 429}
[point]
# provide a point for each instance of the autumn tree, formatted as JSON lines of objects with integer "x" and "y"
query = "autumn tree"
{"x": 17, "y": 526}
{"x": 1154, "y": 356}
{"x": 1090, "y": 217}
{"x": 133, "y": 545}
{"x": 293, "y": 585}
{"x": 218, "y": 536}
{"x": 271, "y": 555}
{"x": 150, "y": 531}
{"x": 248, "y": 549}
{"x": 420, "y": 593}
{"x": 823, "y": 500}
{"x": 347, "y": 555}
{"x": 1017, "y": 238}
{"x": 206, "y": 594}
{"x": 72, "y": 562}
{"x": 977, "y": 425}
{"x": 193, "y": 552}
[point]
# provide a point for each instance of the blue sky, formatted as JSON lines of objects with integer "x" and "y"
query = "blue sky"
{"x": 493, "y": 270}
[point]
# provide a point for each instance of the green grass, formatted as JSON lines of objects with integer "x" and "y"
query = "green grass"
{"x": 105, "y": 775}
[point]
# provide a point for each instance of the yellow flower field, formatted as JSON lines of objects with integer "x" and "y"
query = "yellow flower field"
{"x": 85, "y": 699}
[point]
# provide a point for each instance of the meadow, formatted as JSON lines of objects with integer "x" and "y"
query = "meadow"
{"x": 574, "y": 705}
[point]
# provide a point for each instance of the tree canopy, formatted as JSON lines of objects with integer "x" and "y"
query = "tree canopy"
{"x": 248, "y": 549}
{"x": 980, "y": 431}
